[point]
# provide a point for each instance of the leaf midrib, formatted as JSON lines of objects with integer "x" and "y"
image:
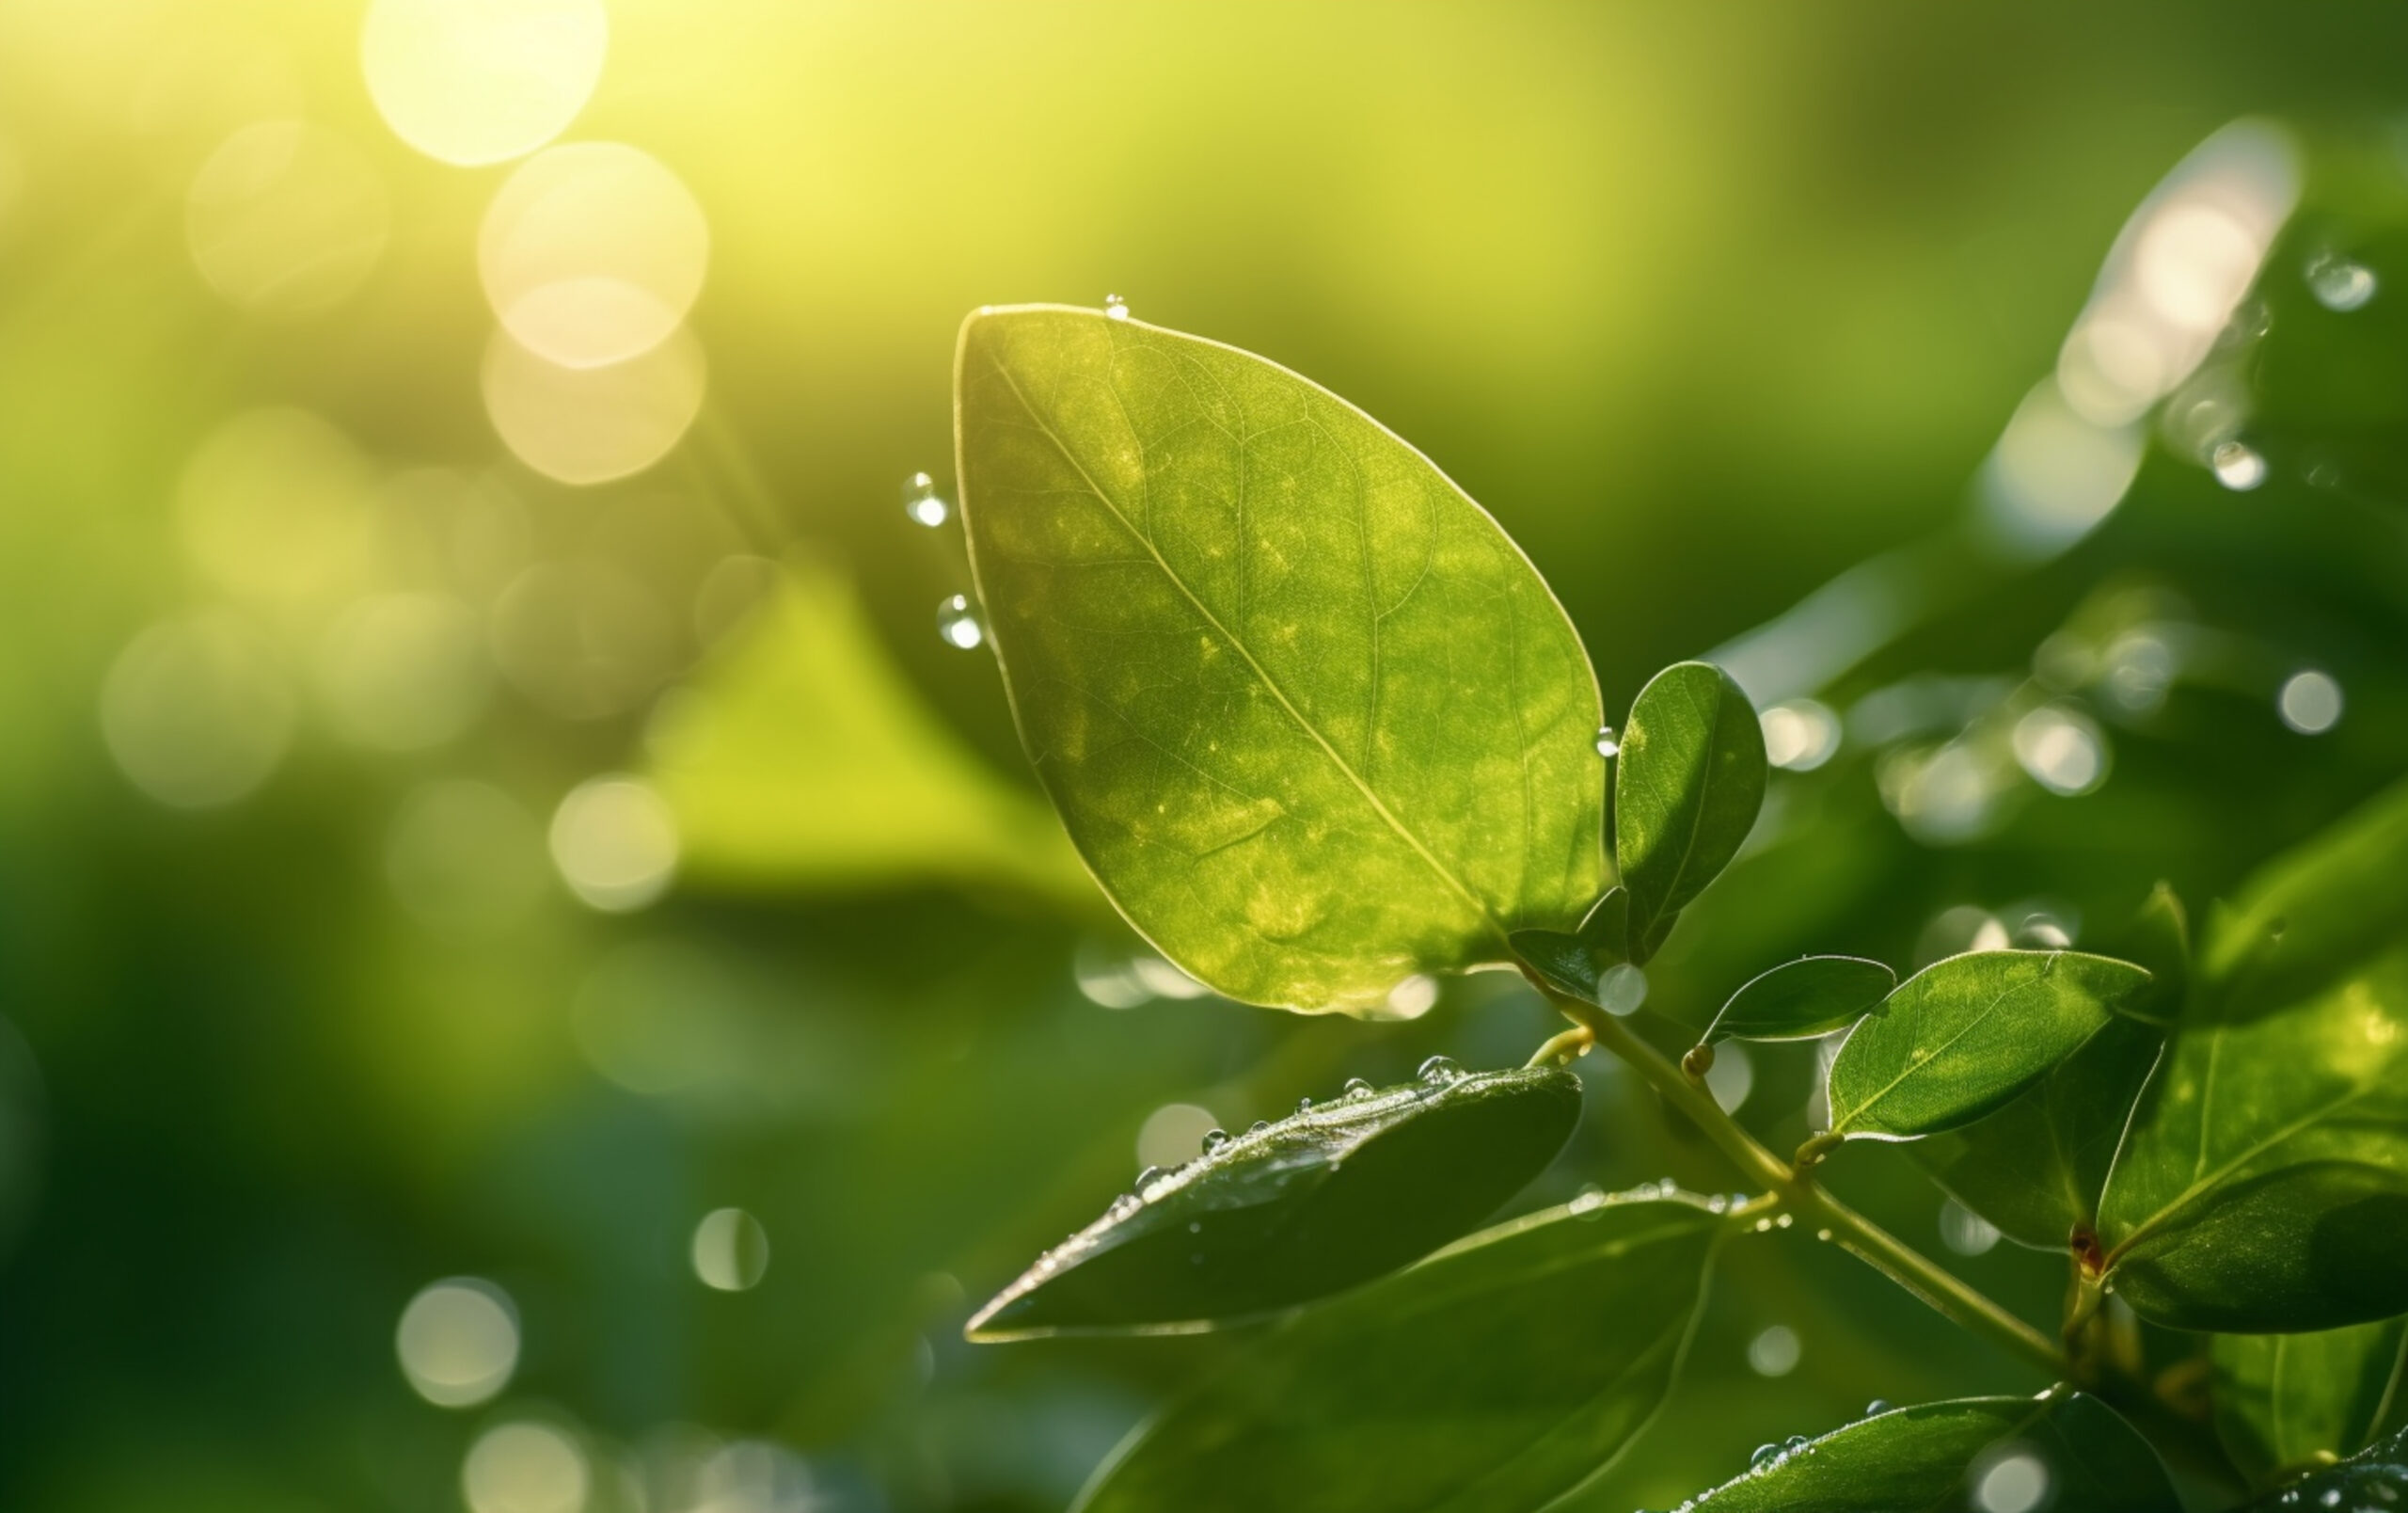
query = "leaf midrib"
{"x": 1941, "y": 1049}
{"x": 1388, "y": 817}
{"x": 2207, "y": 1181}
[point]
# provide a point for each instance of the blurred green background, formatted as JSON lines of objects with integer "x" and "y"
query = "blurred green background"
{"x": 533, "y": 979}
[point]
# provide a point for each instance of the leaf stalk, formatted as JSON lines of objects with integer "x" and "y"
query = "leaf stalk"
{"x": 1937, "y": 1287}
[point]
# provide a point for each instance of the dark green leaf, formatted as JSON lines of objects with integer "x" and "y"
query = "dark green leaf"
{"x": 2063, "y": 1450}
{"x": 2263, "y": 1185}
{"x": 2158, "y": 939}
{"x": 1965, "y": 1035}
{"x": 1326, "y": 1198}
{"x": 1574, "y": 960}
{"x": 1687, "y": 789}
{"x": 2311, "y": 914}
{"x": 1312, "y": 720}
{"x": 2283, "y": 1401}
{"x": 1796, "y": 1000}
{"x": 2035, "y": 1168}
{"x": 1498, "y": 1375}
{"x": 2375, "y": 1480}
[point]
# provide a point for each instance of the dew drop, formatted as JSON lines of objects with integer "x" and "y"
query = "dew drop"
{"x": 1766, "y": 1455}
{"x": 1115, "y": 308}
{"x": 2237, "y": 467}
{"x": 957, "y": 623}
{"x": 1877, "y": 1407}
{"x": 921, "y": 502}
{"x": 1257, "y": 1127}
{"x": 1358, "y": 1088}
{"x": 1148, "y": 1177}
{"x": 1214, "y": 1139}
{"x": 1440, "y": 1071}
{"x": 1609, "y": 742}
{"x": 2338, "y": 283}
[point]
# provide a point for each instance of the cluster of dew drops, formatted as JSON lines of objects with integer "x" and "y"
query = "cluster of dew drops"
{"x": 1437, "y": 1071}
{"x": 1771, "y": 1457}
{"x": 958, "y": 623}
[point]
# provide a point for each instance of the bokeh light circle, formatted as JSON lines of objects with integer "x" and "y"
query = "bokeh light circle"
{"x": 458, "y": 1341}
{"x": 525, "y": 1467}
{"x": 482, "y": 81}
{"x": 286, "y": 220}
{"x": 403, "y": 672}
{"x": 590, "y": 425}
{"x": 465, "y": 858}
{"x": 198, "y": 712}
{"x": 276, "y": 506}
{"x": 593, "y": 253}
{"x": 615, "y": 843}
{"x": 731, "y": 1250}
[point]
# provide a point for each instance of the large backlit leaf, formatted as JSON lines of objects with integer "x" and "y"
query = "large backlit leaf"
{"x": 2062, "y": 1450}
{"x": 2311, "y": 914}
{"x": 1329, "y": 1197}
{"x": 1812, "y": 995}
{"x": 2035, "y": 1168}
{"x": 1965, "y": 1035}
{"x": 1498, "y": 1375}
{"x": 2284, "y": 1400}
{"x": 1312, "y": 720}
{"x": 802, "y": 758}
{"x": 2263, "y": 1184}
{"x": 1687, "y": 789}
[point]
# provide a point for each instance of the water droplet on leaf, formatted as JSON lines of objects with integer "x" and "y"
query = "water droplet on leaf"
{"x": 1441, "y": 1070}
{"x": 957, "y": 622}
{"x": 2237, "y": 467}
{"x": 921, "y": 502}
{"x": 1115, "y": 308}
{"x": 1609, "y": 742}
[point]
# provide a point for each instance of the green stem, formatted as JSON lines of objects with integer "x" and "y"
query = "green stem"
{"x": 1935, "y": 1284}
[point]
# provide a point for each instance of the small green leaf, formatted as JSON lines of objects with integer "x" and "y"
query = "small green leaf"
{"x": 1575, "y": 959}
{"x": 1797, "y": 1000}
{"x": 2374, "y": 1478}
{"x": 2062, "y": 1450}
{"x": 1499, "y": 1374}
{"x": 1311, "y": 718}
{"x": 1965, "y": 1035}
{"x": 1329, "y": 1197}
{"x": 2263, "y": 1185}
{"x": 1687, "y": 788}
{"x": 2035, "y": 1168}
{"x": 2284, "y": 1401}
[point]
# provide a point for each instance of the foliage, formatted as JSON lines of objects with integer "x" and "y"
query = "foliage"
{"x": 1316, "y": 725}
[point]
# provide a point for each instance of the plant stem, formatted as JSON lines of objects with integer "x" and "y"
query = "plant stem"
{"x": 1935, "y": 1284}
